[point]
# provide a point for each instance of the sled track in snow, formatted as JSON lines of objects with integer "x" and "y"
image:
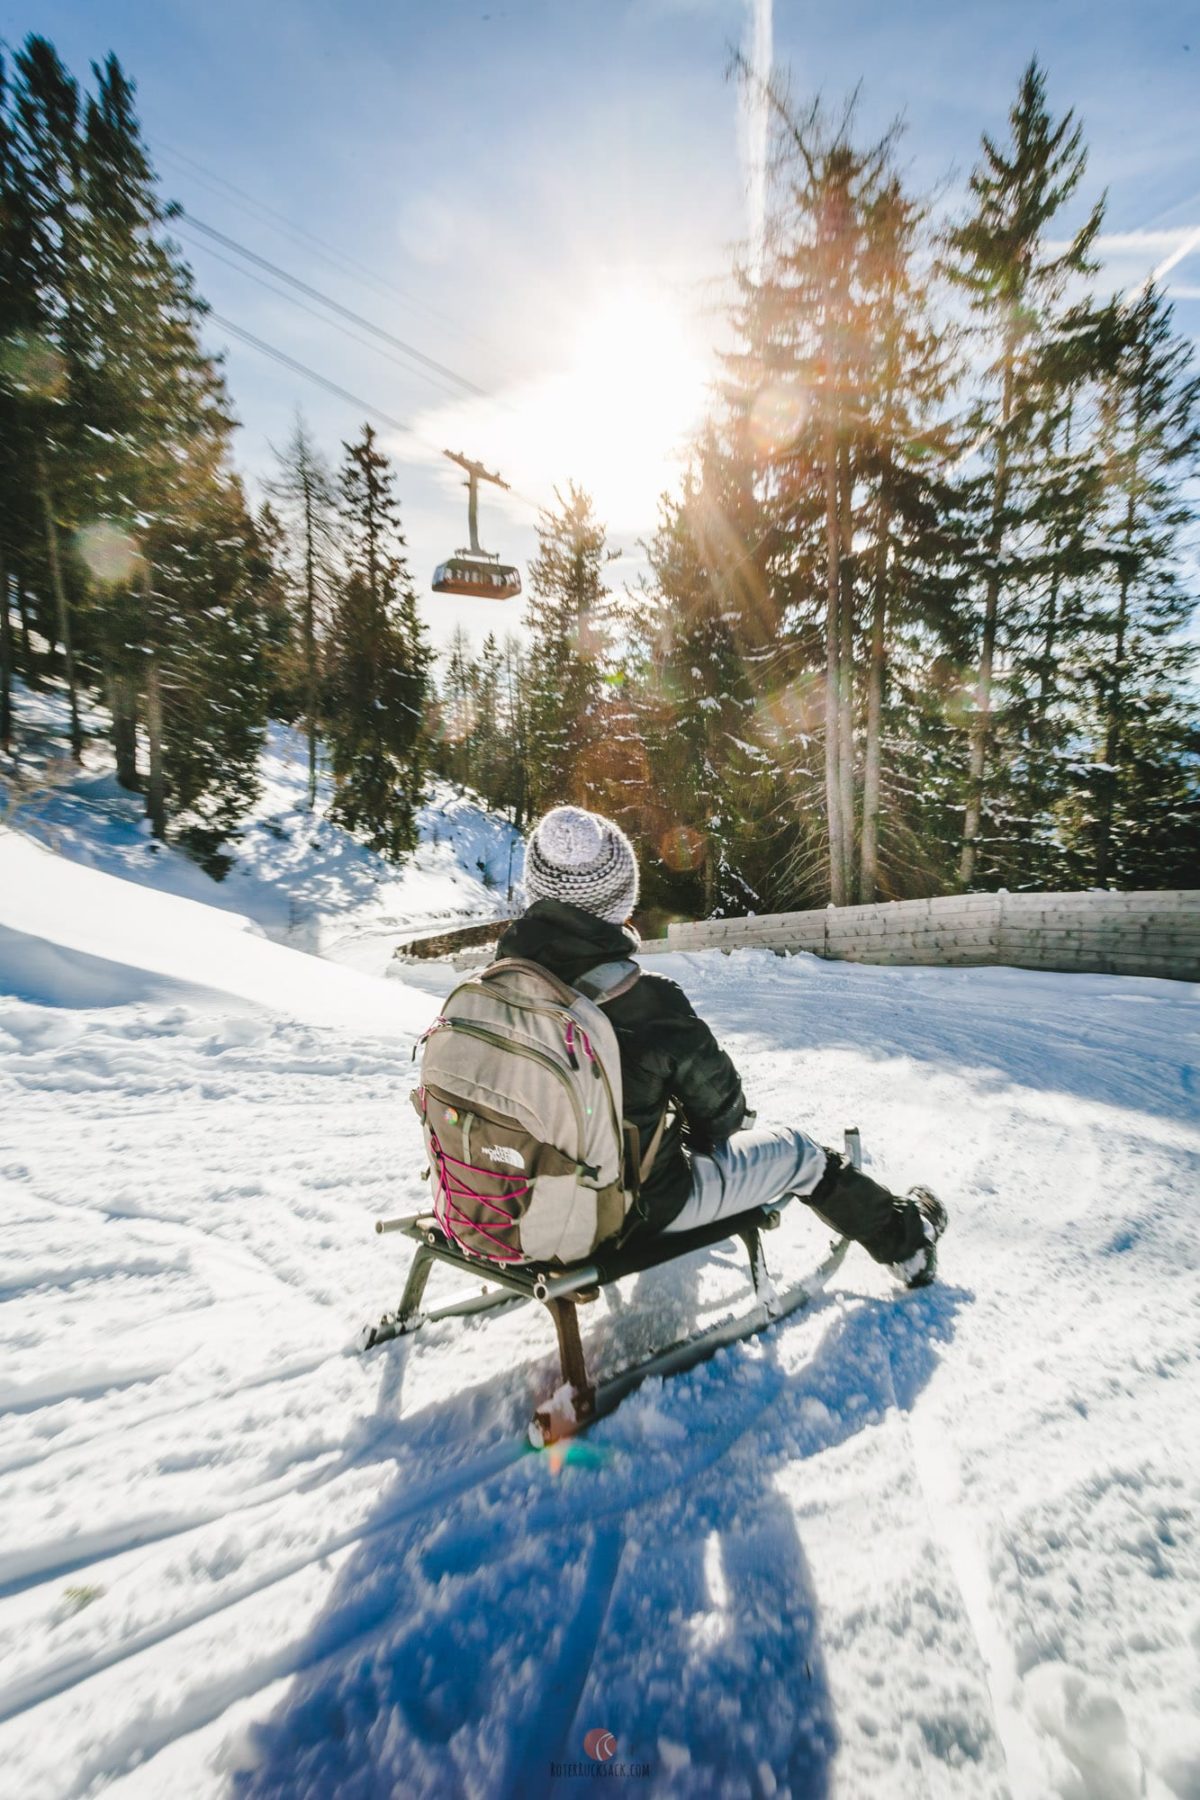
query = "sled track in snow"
{"x": 542, "y": 1518}
{"x": 965, "y": 1560}
{"x": 35, "y": 1689}
{"x": 62, "y": 1445}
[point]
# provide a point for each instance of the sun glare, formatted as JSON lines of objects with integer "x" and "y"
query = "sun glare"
{"x": 615, "y": 416}
{"x": 635, "y": 391}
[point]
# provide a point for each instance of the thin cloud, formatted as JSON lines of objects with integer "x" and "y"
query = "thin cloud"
{"x": 1157, "y": 243}
{"x": 1173, "y": 257}
{"x": 1163, "y": 249}
{"x": 754, "y": 122}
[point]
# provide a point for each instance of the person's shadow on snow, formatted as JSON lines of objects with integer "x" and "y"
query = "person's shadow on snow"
{"x": 650, "y": 1583}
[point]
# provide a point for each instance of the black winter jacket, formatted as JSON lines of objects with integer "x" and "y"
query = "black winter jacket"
{"x": 668, "y": 1053}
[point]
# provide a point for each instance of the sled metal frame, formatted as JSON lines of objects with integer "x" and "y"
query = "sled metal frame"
{"x": 563, "y": 1290}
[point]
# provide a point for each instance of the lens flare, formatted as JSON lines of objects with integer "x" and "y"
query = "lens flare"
{"x": 777, "y": 416}
{"x": 683, "y": 849}
{"x": 785, "y": 719}
{"x": 109, "y": 552}
{"x": 573, "y": 1453}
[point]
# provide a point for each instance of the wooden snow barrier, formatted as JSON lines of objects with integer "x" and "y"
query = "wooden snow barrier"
{"x": 479, "y": 938}
{"x": 1098, "y": 932}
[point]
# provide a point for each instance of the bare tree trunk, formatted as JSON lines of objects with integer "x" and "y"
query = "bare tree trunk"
{"x": 60, "y": 600}
{"x": 1115, "y": 709}
{"x": 156, "y": 790}
{"x": 33, "y": 674}
{"x": 981, "y": 727}
{"x": 868, "y": 881}
{"x": 122, "y": 691}
{"x": 846, "y": 682}
{"x": 833, "y": 588}
{"x": 6, "y": 656}
{"x": 310, "y": 641}
{"x": 1050, "y": 634}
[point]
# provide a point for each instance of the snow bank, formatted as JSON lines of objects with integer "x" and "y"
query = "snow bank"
{"x": 72, "y": 936}
{"x": 302, "y": 879}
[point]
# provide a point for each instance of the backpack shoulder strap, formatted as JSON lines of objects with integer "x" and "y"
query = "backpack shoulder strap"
{"x": 607, "y": 980}
{"x": 560, "y": 988}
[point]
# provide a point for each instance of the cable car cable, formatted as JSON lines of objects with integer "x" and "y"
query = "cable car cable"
{"x": 466, "y": 575}
{"x": 337, "y": 259}
{"x": 347, "y": 312}
{"x": 294, "y": 300}
{"x": 333, "y": 387}
{"x": 290, "y": 362}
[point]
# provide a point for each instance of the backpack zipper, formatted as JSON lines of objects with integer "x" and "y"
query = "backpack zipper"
{"x": 539, "y": 1056}
{"x": 569, "y": 1031}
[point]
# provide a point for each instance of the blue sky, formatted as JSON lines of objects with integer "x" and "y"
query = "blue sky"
{"x": 533, "y": 185}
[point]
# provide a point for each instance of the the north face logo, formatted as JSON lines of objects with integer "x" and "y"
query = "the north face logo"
{"x": 504, "y": 1153}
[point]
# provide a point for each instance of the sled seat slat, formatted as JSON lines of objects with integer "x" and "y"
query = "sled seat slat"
{"x": 546, "y": 1281}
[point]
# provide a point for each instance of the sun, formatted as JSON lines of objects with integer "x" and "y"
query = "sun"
{"x": 614, "y": 412}
{"x": 641, "y": 339}
{"x": 632, "y": 395}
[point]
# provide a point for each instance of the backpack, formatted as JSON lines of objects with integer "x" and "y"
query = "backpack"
{"x": 520, "y": 1103}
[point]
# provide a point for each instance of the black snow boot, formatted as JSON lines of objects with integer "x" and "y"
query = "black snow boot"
{"x": 900, "y": 1232}
{"x": 919, "y": 1269}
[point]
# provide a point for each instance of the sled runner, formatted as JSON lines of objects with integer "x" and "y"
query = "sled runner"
{"x": 577, "y": 1402}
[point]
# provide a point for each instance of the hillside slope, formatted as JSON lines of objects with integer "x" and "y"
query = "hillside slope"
{"x": 301, "y": 879}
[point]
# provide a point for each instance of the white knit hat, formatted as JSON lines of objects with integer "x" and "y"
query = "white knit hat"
{"x": 584, "y": 858}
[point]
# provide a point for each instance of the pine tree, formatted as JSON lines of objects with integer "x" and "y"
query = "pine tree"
{"x": 1015, "y": 285}
{"x": 698, "y": 816}
{"x": 160, "y": 419}
{"x": 805, "y": 377}
{"x": 304, "y": 487}
{"x": 116, "y": 433}
{"x": 488, "y": 759}
{"x": 567, "y": 620}
{"x": 268, "y": 554}
{"x": 454, "y": 757}
{"x": 211, "y": 665}
{"x": 16, "y": 308}
{"x": 379, "y": 664}
{"x": 45, "y": 169}
{"x": 913, "y": 545}
{"x": 1144, "y": 785}
{"x": 514, "y": 691}
{"x": 1064, "y": 561}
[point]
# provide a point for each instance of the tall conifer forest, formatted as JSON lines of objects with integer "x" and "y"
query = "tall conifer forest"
{"x": 917, "y": 618}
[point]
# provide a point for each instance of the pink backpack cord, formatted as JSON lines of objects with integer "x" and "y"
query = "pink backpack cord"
{"x": 452, "y": 1189}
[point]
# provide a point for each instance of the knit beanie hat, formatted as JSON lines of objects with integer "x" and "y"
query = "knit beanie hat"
{"x": 584, "y": 858}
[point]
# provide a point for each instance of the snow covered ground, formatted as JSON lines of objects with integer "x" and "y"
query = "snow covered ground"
{"x": 938, "y": 1544}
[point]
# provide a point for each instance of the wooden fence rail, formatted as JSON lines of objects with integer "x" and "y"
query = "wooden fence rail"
{"x": 1100, "y": 932}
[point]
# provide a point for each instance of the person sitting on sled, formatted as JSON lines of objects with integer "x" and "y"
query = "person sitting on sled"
{"x": 581, "y": 879}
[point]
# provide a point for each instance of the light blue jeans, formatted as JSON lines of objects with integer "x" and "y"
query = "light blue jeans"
{"x": 749, "y": 1169}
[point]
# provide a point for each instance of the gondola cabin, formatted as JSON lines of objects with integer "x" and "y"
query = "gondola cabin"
{"x": 476, "y": 578}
